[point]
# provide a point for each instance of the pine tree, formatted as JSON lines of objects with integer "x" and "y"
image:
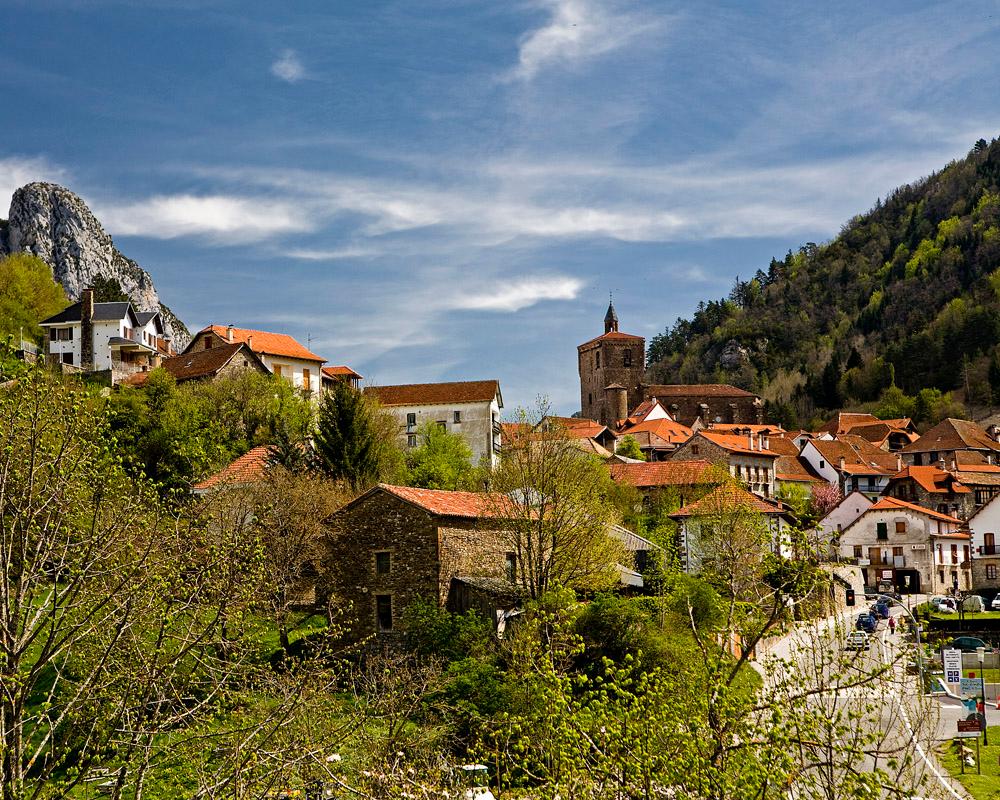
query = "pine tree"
{"x": 353, "y": 439}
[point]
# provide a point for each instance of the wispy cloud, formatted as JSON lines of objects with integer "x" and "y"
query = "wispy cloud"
{"x": 333, "y": 254}
{"x": 288, "y": 67}
{"x": 576, "y": 31}
{"x": 517, "y": 294}
{"x": 17, "y": 171}
{"x": 225, "y": 219}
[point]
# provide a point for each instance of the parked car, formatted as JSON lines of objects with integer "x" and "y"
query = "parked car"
{"x": 973, "y": 602}
{"x": 943, "y": 605}
{"x": 857, "y": 640}
{"x": 880, "y": 610}
{"x": 967, "y": 644}
{"x": 866, "y": 622}
{"x": 995, "y": 605}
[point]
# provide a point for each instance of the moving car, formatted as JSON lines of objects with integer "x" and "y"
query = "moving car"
{"x": 967, "y": 644}
{"x": 880, "y": 610}
{"x": 866, "y": 623}
{"x": 857, "y": 640}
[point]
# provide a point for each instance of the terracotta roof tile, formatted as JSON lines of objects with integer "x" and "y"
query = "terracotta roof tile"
{"x": 736, "y": 444}
{"x": 272, "y": 344}
{"x": 932, "y": 479}
{"x": 860, "y": 456}
{"x": 953, "y": 434}
{"x": 667, "y": 473}
{"x": 664, "y": 429}
{"x": 891, "y": 503}
{"x": 199, "y": 363}
{"x": 612, "y": 336}
{"x": 418, "y": 394}
{"x": 442, "y": 503}
{"x": 248, "y": 468}
{"x": 793, "y": 468}
{"x": 696, "y": 390}
{"x": 727, "y": 498}
{"x": 341, "y": 372}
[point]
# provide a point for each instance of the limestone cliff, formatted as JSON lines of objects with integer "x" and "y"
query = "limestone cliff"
{"x": 54, "y": 224}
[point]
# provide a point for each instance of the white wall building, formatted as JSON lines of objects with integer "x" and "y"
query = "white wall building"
{"x": 984, "y": 527}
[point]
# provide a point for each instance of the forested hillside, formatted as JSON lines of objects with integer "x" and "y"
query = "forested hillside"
{"x": 907, "y": 293}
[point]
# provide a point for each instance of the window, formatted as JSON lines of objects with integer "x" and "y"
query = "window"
{"x": 457, "y": 418}
{"x": 900, "y": 526}
{"x": 442, "y": 424}
{"x": 822, "y": 464}
{"x": 881, "y": 531}
{"x": 991, "y": 572}
{"x": 989, "y": 544}
{"x": 597, "y": 359}
{"x": 411, "y": 421}
{"x": 383, "y": 562}
{"x": 306, "y": 380}
{"x": 695, "y": 449}
{"x": 875, "y": 555}
{"x": 411, "y": 440}
{"x": 941, "y": 575}
{"x": 277, "y": 371}
{"x": 918, "y": 460}
{"x": 511, "y": 567}
{"x": 208, "y": 345}
{"x": 590, "y": 399}
{"x": 67, "y": 358}
{"x": 858, "y": 551}
{"x": 383, "y": 611}
{"x": 627, "y": 358}
{"x": 954, "y": 554}
{"x": 965, "y": 553}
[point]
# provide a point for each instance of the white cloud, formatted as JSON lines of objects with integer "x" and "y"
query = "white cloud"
{"x": 307, "y": 254}
{"x": 288, "y": 67}
{"x": 224, "y": 218}
{"x": 577, "y": 30}
{"x": 517, "y": 294}
{"x": 15, "y": 172}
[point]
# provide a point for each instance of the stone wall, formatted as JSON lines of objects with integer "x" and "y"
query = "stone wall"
{"x": 594, "y": 378}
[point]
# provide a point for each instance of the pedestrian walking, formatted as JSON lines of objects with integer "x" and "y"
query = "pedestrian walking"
{"x": 892, "y": 624}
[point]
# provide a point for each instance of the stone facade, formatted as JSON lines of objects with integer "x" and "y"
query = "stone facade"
{"x": 754, "y": 470}
{"x": 611, "y": 371}
{"x": 709, "y": 403}
{"x": 383, "y": 546}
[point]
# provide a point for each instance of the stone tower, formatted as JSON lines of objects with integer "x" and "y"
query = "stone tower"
{"x": 608, "y": 364}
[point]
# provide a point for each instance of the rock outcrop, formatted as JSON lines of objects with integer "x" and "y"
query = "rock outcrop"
{"x": 54, "y": 224}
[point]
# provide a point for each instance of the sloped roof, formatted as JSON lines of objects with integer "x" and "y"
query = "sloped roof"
{"x": 632, "y": 541}
{"x": 442, "y": 503}
{"x": 932, "y": 479}
{"x": 103, "y": 312}
{"x": 860, "y": 456}
{"x": 342, "y": 371}
{"x": 953, "y": 434}
{"x": 739, "y": 428}
{"x": 592, "y": 446}
{"x": 696, "y": 390}
{"x": 664, "y": 473}
{"x": 795, "y": 469}
{"x": 201, "y": 363}
{"x": 612, "y": 336}
{"x": 248, "y": 468}
{"x": 419, "y": 394}
{"x": 665, "y": 429}
{"x": 265, "y": 342}
{"x": 726, "y": 498}
{"x": 892, "y": 503}
{"x": 736, "y": 444}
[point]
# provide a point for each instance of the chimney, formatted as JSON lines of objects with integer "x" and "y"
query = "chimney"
{"x": 843, "y": 462}
{"x": 87, "y": 329}
{"x": 954, "y": 463}
{"x": 899, "y": 463}
{"x": 749, "y": 440}
{"x": 229, "y": 334}
{"x": 250, "y": 340}
{"x": 940, "y": 463}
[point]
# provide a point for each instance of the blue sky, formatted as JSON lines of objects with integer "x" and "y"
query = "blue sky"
{"x": 444, "y": 190}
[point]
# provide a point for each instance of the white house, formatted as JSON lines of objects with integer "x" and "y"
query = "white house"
{"x": 840, "y": 517}
{"x": 909, "y": 547}
{"x": 468, "y": 408}
{"x": 106, "y": 337}
{"x": 851, "y": 464}
{"x": 984, "y": 526}
{"x": 281, "y": 354}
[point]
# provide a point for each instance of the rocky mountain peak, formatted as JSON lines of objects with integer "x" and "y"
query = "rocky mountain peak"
{"x": 54, "y": 224}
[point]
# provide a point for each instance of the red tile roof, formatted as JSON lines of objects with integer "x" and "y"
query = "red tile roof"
{"x": 272, "y": 344}
{"x": 953, "y": 434}
{"x": 932, "y": 479}
{"x": 860, "y": 456}
{"x": 727, "y": 498}
{"x": 892, "y": 504}
{"x": 696, "y": 390}
{"x": 665, "y": 429}
{"x": 248, "y": 468}
{"x": 612, "y": 336}
{"x": 667, "y": 473}
{"x": 419, "y": 394}
{"x": 737, "y": 444}
{"x": 469, "y": 505}
{"x": 200, "y": 363}
{"x": 341, "y": 372}
{"x": 795, "y": 469}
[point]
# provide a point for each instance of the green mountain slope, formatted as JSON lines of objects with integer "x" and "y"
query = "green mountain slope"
{"x": 909, "y": 291}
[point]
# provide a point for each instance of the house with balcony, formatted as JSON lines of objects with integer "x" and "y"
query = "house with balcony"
{"x": 470, "y": 409}
{"x": 909, "y": 547}
{"x": 110, "y": 338}
{"x": 934, "y": 488}
{"x": 281, "y": 354}
{"x": 745, "y": 452}
{"x": 984, "y": 527}
{"x": 851, "y": 463}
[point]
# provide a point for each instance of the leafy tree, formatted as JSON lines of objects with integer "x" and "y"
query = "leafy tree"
{"x": 355, "y": 439}
{"x": 895, "y": 404}
{"x": 443, "y": 460}
{"x": 108, "y": 290}
{"x": 629, "y": 448}
{"x": 28, "y": 294}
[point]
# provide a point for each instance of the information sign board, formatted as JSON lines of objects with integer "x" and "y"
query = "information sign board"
{"x": 971, "y": 686}
{"x": 952, "y": 660}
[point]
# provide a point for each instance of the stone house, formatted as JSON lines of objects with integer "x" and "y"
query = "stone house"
{"x": 910, "y": 547}
{"x": 611, "y": 368}
{"x": 112, "y": 338}
{"x": 708, "y": 403}
{"x": 984, "y": 527}
{"x": 208, "y": 365}
{"x": 747, "y": 456}
{"x": 280, "y": 353}
{"x": 703, "y": 519}
{"x": 396, "y": 544}
{"x": 680, "y": 482}
{"x": 950, "y": 439}
{"x": 934, "y": 488}
{"x": 470, "y": 409}
{"x": 580, "y": 428}
{"x": 891, "y": 435}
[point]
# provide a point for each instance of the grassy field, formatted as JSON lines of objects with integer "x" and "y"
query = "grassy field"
{"x": 982, "y": 787}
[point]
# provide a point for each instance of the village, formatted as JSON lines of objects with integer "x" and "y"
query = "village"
{"x": 901, "y": 512}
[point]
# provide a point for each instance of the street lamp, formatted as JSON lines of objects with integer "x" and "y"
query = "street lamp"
{"x": 981, "y": 655}
{"x": 916, "y": 630}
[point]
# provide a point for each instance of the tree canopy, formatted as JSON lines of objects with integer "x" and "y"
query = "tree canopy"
{"x": 28, "y": 294}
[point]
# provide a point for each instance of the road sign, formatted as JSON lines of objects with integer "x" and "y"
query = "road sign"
{"x": 952, "y": 660}
{"x": 967, "y": 725}
{"x": 970, "y": 686}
